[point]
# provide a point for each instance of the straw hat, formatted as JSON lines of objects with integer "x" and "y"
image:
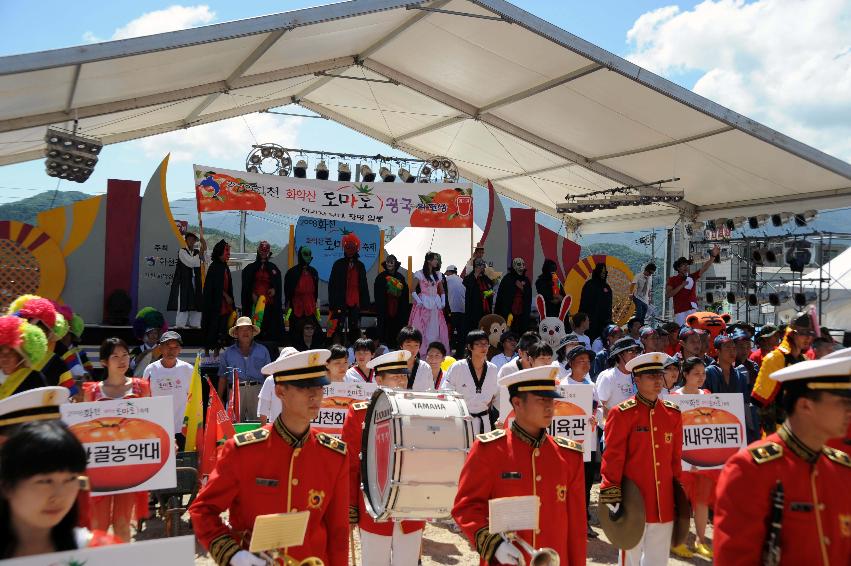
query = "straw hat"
{"x": 243, "y": 321}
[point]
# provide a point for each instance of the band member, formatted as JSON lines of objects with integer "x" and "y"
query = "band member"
{"x": 525, "y": 460}
{"x": 385, "y": 542}
{"x": 475, "y": 379}
{"x": 281, "y": 468}
{"x": 644, "y": 439}
{"x": 784, "y": 499}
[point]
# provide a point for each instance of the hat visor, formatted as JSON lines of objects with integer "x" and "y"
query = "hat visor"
{"x": 614, "y": 353}
{"x": 232, "y": 331}
{"x": 313, "y": 382}
{"x": 554, "y": 394}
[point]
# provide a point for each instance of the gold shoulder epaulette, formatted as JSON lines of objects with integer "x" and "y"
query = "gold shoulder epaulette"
{"x": 628, "y": 404}
{"x": 491, "y": 436}
{"x": 766, "y": 452}
{"x": 85, "y": 484}
{"x": 568, "y": 443}
{"x": 837, "y": 456}
{"x": 251, "y": 437}
{"x": 332, "y": 443}
{"x": 671, "y": 405}
{"x": 360, "y": 406}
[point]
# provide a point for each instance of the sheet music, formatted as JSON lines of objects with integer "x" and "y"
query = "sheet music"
{"x": 511, "y": 514}
{"x": 279, "y": 530}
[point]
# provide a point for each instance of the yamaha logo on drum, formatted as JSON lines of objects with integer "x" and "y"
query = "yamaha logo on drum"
{"x": 382, "y": 415}
{"x": 426, "y": 406}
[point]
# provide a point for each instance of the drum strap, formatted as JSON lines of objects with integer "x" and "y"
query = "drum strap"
{"x": 478, "y": 381}
{"x": 412, "y": 377}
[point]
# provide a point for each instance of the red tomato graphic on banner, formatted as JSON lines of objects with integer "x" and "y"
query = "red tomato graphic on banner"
{"x": 449, "y": 208}
{"x": 711, "y": 423}
{"x": 217, "y": 191}
{"x": 123, "y": 452}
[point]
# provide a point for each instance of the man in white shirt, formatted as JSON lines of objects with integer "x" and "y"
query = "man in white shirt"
{"x": 268, "y": 404}
{"x": 641, "y": 290}
{"x": 457, "y": 292}
{"x": 615, "y": 385}
{"x": 419, "y": 372}
{"x": 507, "y": 349}
{"x": 171, "y": 377}
{"x": 522, "y": 360}
{"x": 581, "y": 323}
{"x": 475, "y": 378}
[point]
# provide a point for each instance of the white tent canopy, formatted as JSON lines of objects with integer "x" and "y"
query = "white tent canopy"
{"x": 507, "y": 96}
{"x": 835, "y": 276}
{"x": 454, "y": 246}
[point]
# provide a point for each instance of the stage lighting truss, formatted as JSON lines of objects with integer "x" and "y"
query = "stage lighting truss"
{"x": 438, "y": 170}
{"x": 322, "y": 170}
{"x": 755, "y": 222}
{"x": 805, "y": 218}
{"x": 269, "y": 159}
{"x": 69, "y": 155}
{"x": 608, "y": 199}
{"x": 344, "y": 172}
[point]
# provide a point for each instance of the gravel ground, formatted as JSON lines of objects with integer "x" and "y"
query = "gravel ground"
{"x": 441, "y": 545}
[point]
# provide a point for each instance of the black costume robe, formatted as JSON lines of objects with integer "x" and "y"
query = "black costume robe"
{"x": 391, "y": 325}
{"x": 213, "y": 323}
{"x": 273, "y": 317}
{"x": 186, "y": 288}
{"x": 505, "y": 299}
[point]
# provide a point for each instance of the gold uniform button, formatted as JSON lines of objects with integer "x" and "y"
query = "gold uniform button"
{"x": 537, "y": 452}
{"x": 658, "y": 482}
{"x": 293, "y": 510}
{"x": 656, "y": 446}
{"x": 827, "y": 541}
{"x": 537, "y": 531}
{"x": 295, "y": 481}
{"x": 658, "y": 463}
{"x": 821, "y": 506}
{"x": 537, "y": 478}
{"x": 651, "y": 411}
{"x": 655, "y": 428}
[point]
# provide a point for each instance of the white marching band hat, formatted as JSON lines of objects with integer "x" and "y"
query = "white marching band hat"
{"x": 392, "y": 362}
{"x": 651, "y": 362}
{"x": 40, "y": 404}
{"x": 831, "y": 373}
{"x": 542, "y": 381}
{"x": 303, "y": 369}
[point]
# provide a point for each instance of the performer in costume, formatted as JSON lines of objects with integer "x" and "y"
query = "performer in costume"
{"x": 475, "y": 379}
{"x": 262, "y": 278}
{"x": 42, "y": 313}
{"x": 186, "y": 285}
{"x": 392, "y": 300}
{"x": 21, "y": 345}
{"x": 514, "y": 297}
{"x": 644, "y": 440}
{"x": 525, "y": 460}
{"x": 549, "y": 286}
{"x": 596, "y": 301}
{"x": 148, "y": 326}
{"x": 784, "y": 500}
{"x": 429, "y": 300}
{"x": 478, "y": 298}
{"x": 348, "y": 291}
{"x": 384, "y": 543}
{"x": 218, "y": 299}
{"x": 38, "y": 406}
{"x": 281, "y": 468}
{"x": 301, "y": 291}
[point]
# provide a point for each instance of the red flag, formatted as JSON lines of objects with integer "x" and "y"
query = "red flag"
{"x": 233, "y": 402}
{"x": 217, "y": 430}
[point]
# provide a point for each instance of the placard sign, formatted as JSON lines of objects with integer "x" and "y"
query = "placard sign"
{"x": 571, "y": 415}
{"x": 713, "y": 428}
{"x": 173, "y": 551}
{"x": 335, "y": 405}
{"x": 129, "y": 443}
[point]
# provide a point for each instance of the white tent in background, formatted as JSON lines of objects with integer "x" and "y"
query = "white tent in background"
{"x": 836, "y": 275}
{"x": 452, "y": 244}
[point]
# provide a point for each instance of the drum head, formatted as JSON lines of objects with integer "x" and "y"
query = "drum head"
{"x": 377, "y": 456}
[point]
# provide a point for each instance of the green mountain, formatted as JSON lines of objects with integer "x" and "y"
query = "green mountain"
{"x": 25, "y": 210}
{"x": 213, "y": 235}
{"x": 636, "y": 261}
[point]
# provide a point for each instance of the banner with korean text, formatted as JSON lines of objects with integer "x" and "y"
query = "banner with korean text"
{"x": 172, "y": 551}
{"x": 335, "y": 404}
{"x": 436, "y": 205}
{"x": 713, "y": 428}
{"x": 571, "y": 415}
{"x": 128, "y": 442}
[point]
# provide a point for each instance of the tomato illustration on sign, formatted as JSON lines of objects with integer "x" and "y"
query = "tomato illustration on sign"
{"x": 703, "y": 416}
{"x": 217, "y": 191}
{"x": 128, "y": 472}
{"x": 449, "y": 208}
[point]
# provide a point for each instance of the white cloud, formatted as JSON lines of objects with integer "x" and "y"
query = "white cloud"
{"x": 785, "y": 63}
{"x": 170, "y": 19}
{"x": 224, "y": 143}
{"x": 90, "y": 37}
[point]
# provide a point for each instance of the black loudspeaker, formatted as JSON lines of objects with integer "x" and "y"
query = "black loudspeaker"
{"x": 752, "y": 300}
{"x": 800, "y": 299}
{"x": 710, "y": 298}
{"x": 773, "y": 299}
{"x": 731, "y": 297}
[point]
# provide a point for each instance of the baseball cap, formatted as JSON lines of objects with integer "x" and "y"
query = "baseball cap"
{"x": 171, "y": 335}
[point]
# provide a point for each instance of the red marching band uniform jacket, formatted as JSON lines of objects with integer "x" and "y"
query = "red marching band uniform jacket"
{"x": 267, "y": 471}
{"x": 507, "y": 463}
{"x": 815, "y": 525}
{"x": 358, "y": 515}
{"x": 644, "y": 442}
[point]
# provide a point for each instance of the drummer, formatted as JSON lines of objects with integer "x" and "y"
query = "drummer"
{"x": 524, "y": 460}
{"x": 384, "y": 542}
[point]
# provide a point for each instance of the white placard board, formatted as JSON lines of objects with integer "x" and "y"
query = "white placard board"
{"x": 175, "y": 551}
{"x": 713, "y": 428}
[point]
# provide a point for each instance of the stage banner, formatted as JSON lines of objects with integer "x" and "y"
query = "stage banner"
{"x": 335, "y": 405}
{"x": 324, "y": 237}
{"x": 713, "y": 428}
{"x": 397, "y": 204}
{"x": 128, "y": 442}
{"x": 571, "y": 415}
{"x": 174, "y": 551}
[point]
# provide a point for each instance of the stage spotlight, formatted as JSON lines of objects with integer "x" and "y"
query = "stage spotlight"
{"x": 731, "y": 297}
{"x": 800, "y": 299}
{"x": 710, "y": 298}
{"x": 366, "y": 174}
{"x": 755, "y": 222}
{"x": 778, "y": 220}
{"x": 774, "y": 299}
{"x": 406, "y": 176}
{"x": 69, "y": 155}
{"x": 805, "y": 218}
{"x": 752, "y": 299}
{"x": 799, "y": 255}
{"x": 344, "y": 174}
{"x": 300, "y": 169}
{"x": 386, "y": 175}
{"x": 736, "y": 222}
{"x": 322, "y": 170}
{"x": 710, "y": 225}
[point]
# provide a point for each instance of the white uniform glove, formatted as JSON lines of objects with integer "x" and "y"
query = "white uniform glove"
{"x": 508, "y": 554}
{"x": 245, "y": 558}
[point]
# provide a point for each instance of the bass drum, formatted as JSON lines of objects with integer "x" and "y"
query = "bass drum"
{"x": 414, "y": 446}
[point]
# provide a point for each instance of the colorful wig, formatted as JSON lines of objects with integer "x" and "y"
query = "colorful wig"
{"x": 33, "y": 307}
{"x": 148, "y": 318}
{"x": 60, "y": 329}
{"x": 78, "y": 325}
{"x": 25, "y": 338}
